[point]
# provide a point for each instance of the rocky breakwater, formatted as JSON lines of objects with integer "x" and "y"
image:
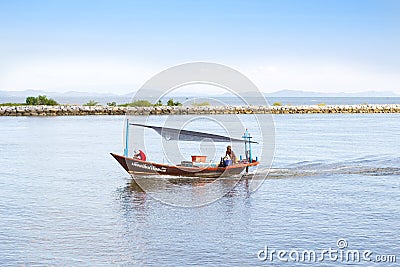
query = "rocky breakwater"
{"x": 381, "y": 108}
{"x": 60, "y": 110}
{"x": 183, "y": 110}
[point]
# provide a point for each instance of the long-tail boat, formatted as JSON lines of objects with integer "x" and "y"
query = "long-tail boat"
{"x": 195, "y": 168}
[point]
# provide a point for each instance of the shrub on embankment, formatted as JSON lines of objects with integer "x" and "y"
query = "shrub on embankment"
{"x": 33, "y": 101}
{"x": 40, "y": 100}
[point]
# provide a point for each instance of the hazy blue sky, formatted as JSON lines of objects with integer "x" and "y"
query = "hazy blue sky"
{"x": 115, "y": 46}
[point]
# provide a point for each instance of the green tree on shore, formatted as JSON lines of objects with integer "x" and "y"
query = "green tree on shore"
{"x": 40, "y": 100}
{"x": 158, "y": 104}
{"x": 172, "y": 103}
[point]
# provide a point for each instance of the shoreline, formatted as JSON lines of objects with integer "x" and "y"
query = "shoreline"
{"x": 80, "y": 110}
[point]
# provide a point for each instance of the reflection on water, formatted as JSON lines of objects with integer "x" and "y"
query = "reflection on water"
{"x": 153, "y": 227}
{"x": 133, "y": 187}
{"x": 187, "y": 191}
{"x": 134, "y": 192}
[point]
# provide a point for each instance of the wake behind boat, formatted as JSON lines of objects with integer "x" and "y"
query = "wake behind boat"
{"x": 197, "y": 167}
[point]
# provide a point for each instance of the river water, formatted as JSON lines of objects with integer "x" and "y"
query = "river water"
{"x": 65, "y": 201}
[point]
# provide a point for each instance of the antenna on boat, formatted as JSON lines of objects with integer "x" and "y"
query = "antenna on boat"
{"x": 247, "y": 146}
{"x": 126, "y": 149}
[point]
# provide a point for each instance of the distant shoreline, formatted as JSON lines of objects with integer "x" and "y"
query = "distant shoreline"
{"x": 214, "y": 101}
{"x": 80, "y": 110}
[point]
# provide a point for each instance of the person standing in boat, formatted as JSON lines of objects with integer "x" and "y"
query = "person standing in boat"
{"x": 231, "y": 154}
{"x": 139, "y": 154}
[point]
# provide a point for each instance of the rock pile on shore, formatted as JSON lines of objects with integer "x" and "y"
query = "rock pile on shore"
{"x": 182, "y": 110}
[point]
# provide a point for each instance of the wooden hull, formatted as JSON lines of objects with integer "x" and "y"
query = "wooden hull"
{"x": 139, "y": 167}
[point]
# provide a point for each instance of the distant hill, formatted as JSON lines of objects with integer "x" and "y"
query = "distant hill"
{"x": 77, "y": 97}
{"x": 297, "y": 93}
{"x": 32, "y": 92}
{"x": 70, "y": 97}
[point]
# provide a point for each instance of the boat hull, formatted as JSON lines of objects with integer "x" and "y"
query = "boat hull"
{"x": 138, "y": 167}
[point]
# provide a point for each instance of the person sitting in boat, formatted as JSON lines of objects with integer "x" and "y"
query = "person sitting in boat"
{"x": 139, "y": 154}
{"x": 230, "y": 154}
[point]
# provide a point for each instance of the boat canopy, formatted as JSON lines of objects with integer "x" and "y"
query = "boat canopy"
{"x": 186, "y": 135}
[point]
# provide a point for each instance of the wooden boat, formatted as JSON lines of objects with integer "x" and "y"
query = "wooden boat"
{"x": 139, "y": 167}
{"x": 136, "y": 166}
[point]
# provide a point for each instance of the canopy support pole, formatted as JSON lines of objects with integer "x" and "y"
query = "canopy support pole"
{"x": 126, "y": 151}
{"x": 247, "y": 146}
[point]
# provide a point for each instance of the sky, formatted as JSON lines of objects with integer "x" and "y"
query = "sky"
{"x": 115, "y": 46}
